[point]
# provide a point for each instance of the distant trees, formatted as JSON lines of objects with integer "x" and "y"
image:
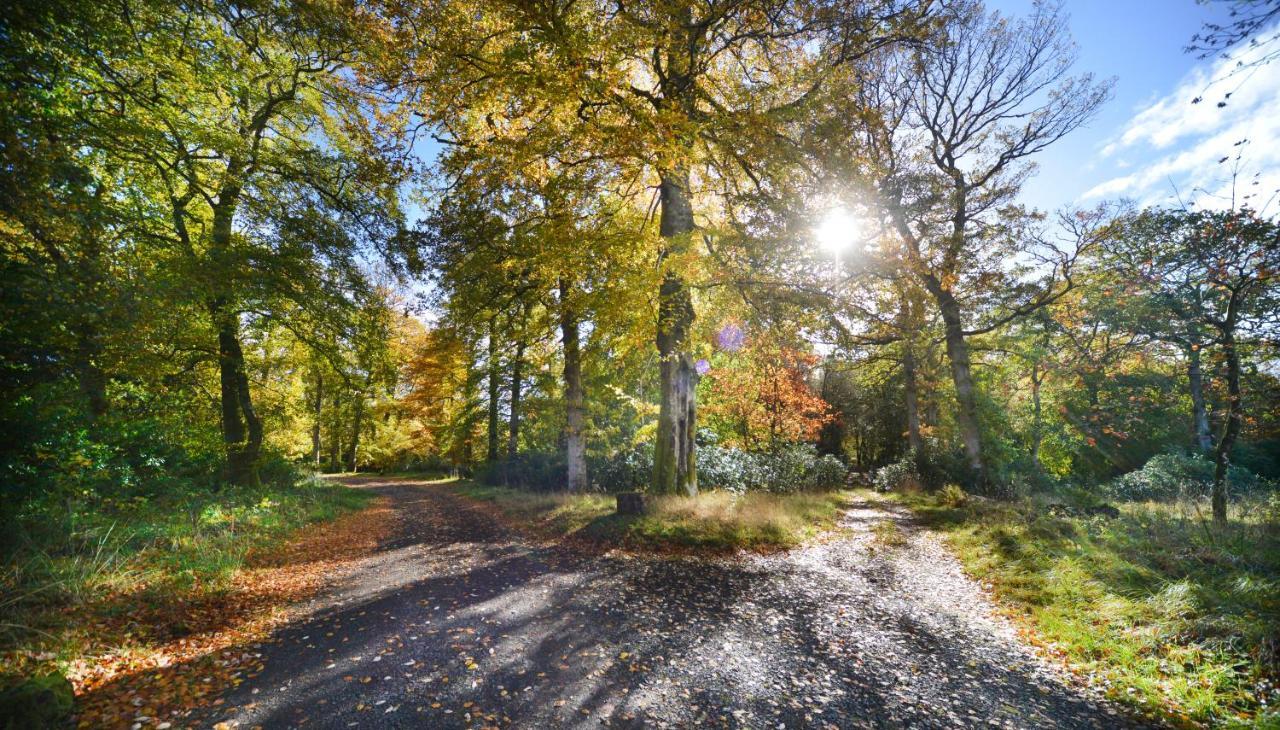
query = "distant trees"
{"x": 761, "y": 395}
{"x": 1202, "y": 279}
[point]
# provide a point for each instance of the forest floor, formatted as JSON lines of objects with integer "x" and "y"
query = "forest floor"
{"x": 457, "y": 620}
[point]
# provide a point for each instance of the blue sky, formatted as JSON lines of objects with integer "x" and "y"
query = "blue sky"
{"x": 1149, "y": 139}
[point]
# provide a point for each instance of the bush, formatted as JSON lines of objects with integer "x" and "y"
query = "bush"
{"x": 1169, "y": 477}
{"x": 786, "y": 469}
{"x": 931, "y": 467}
{"x": 952, "y": 496}
{"x": 44, "y": 701}
{"x": 901, "y": 475}
{"x": 624, "y": 471}
{"x": 828, "y": 472}
{"x": 791, "y": 468}
{"x": 732, "y": 470}
{"x": 534, "y": 470}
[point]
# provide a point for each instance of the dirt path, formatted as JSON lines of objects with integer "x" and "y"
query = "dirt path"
{"x": 458, "y": 623}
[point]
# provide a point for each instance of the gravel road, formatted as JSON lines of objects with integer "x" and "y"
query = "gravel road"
{"x": 458, "y": 622}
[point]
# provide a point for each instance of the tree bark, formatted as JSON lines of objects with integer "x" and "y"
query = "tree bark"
{"x": 517, "y": 385}
{"x": 357, "y": 421}
{"x": 90, "y": 378}
{"x": 241, "y": 428}
{"x": 574, "y": 407}
{"x": 962, "y": 377}
{"x": 911, "y": 398}
{"x": 1199, "y": 414}
{"x": 335, "y": 441}
{"x": 1037, "y": 414}
{"x": 317, "y": 411}
{"x": 1231, "y": 429}
{"x": 674, "y": 470}
{"x": 495, "y": 389}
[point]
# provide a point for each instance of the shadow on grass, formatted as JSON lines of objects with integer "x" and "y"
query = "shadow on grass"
{"x": 1175, "y": 610}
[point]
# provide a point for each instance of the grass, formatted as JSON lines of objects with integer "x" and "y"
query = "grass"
{"x": 888, "y": 534}
{"x": 712, "y": 521}
{"x": 73, "y": 571}
{"x": 1167, "y": 612}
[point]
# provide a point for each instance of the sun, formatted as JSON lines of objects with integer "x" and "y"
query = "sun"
{"x": 838, "y": 230}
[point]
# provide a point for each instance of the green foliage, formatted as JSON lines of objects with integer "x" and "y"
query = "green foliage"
{"x": 534, "y": 471}
{"x": 899, "y": 476}
{"x": 43, "y": 702}
{"x": 783, "y": 469}
{"x": 1175, "y": 476}
{"x": 626, "y": 470}
{"x": 952, "y": 496}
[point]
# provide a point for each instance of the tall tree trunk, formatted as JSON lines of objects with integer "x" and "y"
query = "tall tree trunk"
{"x": 574, "y": 407}
{"x": 357, "y": 421}
{"x": 1199, "y": 414}
{"x": 90, "y": 378}
{"x": 335, "y": 433}
{"x": 317, "y": 411}
{"x": 831, "y": 437}
{"x": 1037, "y": 416}
{"x": 932, "y": 406}
{"x": 962, "y": 377}
{"x": 1231, "y": 429}
{"x": 241, "y": 428}
{"x": 911, "y": 398}
{"x": 517, "y": 385}
{"x": 495, "y": 388}
{"x": 674, "y": 470}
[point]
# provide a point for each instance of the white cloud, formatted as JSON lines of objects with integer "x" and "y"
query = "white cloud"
{"x": 1177, "y": 147}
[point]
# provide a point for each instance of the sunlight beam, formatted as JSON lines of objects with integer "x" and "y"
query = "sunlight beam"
{"x": 838, "y": 231}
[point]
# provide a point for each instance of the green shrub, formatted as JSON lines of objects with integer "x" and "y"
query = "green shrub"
{"x": 1173, "y": 476}
{"x": 788, "y": 468}
{"x": 41, "y": 702}
{"x": 625, "y": 470}
{"x": 901, "y": 475}
{"x": 952, "y": 496}
{"x": 532, "y": 470}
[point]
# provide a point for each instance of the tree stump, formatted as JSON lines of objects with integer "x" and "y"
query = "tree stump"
{"x": 631, "y": 503}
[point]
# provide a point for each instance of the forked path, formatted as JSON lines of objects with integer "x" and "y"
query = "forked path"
{"x": 459, "y": 623}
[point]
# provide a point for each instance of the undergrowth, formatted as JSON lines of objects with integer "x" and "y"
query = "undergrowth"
{"x": 1158, "y": 606}
{"x": 71, "y": 566}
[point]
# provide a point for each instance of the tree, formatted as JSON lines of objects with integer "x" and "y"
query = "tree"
{"x": 241, "y": 120}
{"x": 1164, "y": 298}
{"x": 1213, "y": 272}
{"x": 761, "y": 395}
{"x": 1250, "y": 32}
{"x": 961, "y": 116}
{"x": 655, "y": 87}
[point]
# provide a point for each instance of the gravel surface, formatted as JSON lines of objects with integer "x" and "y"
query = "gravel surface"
{"x": 458, "y": 623}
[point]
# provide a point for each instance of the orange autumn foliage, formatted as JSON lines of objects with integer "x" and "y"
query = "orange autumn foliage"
{"x": 761, "y": 396}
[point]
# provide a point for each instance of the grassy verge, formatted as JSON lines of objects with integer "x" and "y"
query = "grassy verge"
{"x": 84, "y": 580}
{"x": 1158, "y": 606}
{"x": 713, "y": 521}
